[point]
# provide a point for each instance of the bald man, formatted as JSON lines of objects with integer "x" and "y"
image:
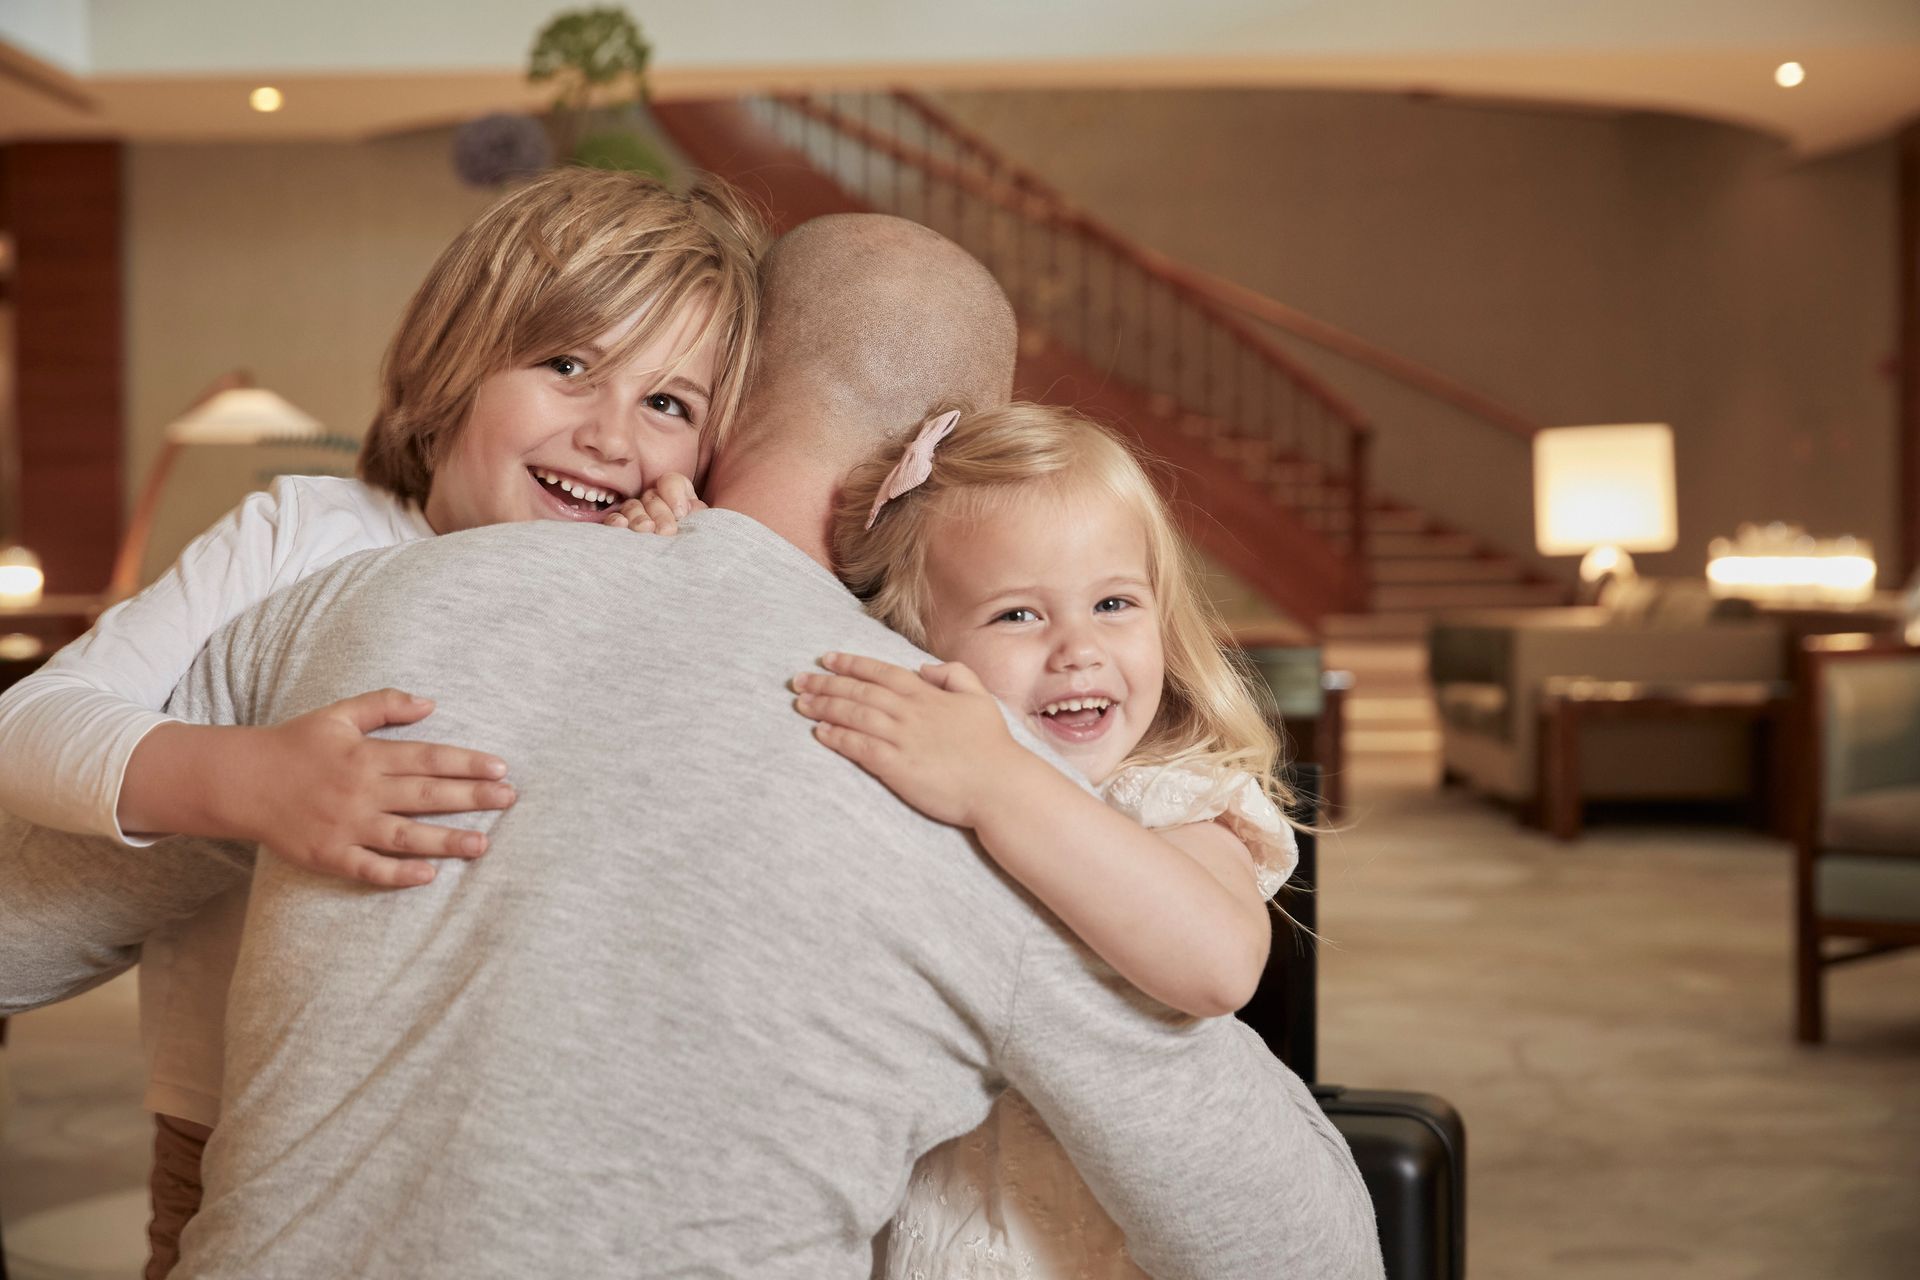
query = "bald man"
{"x": 713, "y": 990}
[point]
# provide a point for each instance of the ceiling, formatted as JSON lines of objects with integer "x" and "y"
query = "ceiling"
{"x": 358, "y": 68}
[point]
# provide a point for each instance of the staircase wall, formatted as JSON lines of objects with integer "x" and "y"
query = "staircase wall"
{"x": 1583, "y": 267}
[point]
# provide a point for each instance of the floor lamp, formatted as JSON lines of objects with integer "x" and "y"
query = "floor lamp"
{"x": 230, "y": 412}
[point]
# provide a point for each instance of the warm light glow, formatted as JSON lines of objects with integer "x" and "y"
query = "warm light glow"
{"x": 266, "y": 98}
{"x": 1605, "y": 562}
{"x": 1827, "y": 578}
{"x": 1789, "y": 74}
{"x": 21, "y": 581}
{"x": 16, "y": 647}
{"x": 1604, "y": 487}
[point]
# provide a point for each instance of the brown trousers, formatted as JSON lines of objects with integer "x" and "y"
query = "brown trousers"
{"x": 177, "y": 1146}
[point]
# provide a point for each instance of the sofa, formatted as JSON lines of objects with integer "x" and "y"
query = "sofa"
{"x": 1488, "y": 667}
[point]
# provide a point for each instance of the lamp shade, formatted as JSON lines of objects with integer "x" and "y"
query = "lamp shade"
{"x": 242, "y": 415}
{"x": 1606, "y": 486}
{"x": 21, "y": 580}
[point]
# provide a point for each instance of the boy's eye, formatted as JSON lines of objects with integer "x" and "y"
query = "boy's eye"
{"x": 672, "y": 406}
{"x": 567, "y": 366}
{"x": 1113, "y": 604}
{"x": 1016, "y": 615}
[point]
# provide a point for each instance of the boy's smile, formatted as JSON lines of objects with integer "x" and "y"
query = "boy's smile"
{"x": 569, "y": 439}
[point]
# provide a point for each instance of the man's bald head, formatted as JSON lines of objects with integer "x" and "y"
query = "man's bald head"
{"x": 868, "y": 324}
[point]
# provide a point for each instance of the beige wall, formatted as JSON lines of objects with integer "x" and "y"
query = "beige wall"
{"x": 1584, "y": 268}
{"x": 292, "y": 262}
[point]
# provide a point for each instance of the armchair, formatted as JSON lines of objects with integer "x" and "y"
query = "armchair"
{"x": 1857, "y": 882}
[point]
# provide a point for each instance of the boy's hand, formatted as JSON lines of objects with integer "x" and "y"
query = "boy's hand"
{"x": 326, "y": 797}
{"x": 937, "y": 738}
{"x": 659, "y": 509}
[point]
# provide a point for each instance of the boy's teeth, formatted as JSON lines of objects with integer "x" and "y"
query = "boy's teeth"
{"x": 584, "y": 492}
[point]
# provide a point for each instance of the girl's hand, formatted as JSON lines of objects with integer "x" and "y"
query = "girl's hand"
{"x": 658, "y": 510}
{"x": 326, "y": 797}
{"x": 937, "y": 739}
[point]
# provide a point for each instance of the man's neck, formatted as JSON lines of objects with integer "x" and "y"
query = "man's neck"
{"x": 790, "y": 500}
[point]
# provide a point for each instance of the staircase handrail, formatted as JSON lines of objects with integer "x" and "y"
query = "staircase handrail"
{"x": 1237, "y": 297}
{"x": 1046, "y": 204}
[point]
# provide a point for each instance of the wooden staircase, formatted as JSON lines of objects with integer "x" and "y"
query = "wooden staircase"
{"x": 1267, "y": 463}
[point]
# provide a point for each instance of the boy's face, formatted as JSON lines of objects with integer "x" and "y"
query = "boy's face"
{"x": 567, "y": 439}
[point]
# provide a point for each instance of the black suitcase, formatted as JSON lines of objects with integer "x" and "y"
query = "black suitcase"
{"x": 1411, "y": 1147}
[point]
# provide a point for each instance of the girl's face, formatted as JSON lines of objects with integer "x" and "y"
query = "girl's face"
{"x": 550, "y": 442}
{"x": 1050, "y": 604}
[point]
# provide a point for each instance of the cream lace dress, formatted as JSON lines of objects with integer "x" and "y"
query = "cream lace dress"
{"x": 1004, "y": 1202}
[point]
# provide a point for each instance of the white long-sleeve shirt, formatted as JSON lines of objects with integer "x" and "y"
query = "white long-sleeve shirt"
{"x": 68, "y": 730}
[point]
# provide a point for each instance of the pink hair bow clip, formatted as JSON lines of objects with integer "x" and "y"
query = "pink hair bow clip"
{"x": 916, "y": 464}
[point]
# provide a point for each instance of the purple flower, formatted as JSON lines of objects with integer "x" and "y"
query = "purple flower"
{"x": 498, "y": 148}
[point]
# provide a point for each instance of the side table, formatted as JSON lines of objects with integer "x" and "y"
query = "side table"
{"x": 1568, "y": 703}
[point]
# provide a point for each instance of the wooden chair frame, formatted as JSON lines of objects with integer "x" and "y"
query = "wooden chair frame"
{"x": 1813, "y": 933}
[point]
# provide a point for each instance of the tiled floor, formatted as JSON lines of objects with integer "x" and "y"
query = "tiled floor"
{"x": 1610, "y": 1016}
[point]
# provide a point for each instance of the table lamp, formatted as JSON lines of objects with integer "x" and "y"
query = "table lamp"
{"x": 21, "y": 581}
{"x": 1601, "y": 493}
{"x": 230, "y": 412}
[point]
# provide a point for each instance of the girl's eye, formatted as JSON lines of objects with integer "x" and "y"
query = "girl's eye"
{"x": 1113, "y": 604}
{"x": 567, "y": 366}
{"x": 672, "y": 406}
{"x": 1017, "y": 615}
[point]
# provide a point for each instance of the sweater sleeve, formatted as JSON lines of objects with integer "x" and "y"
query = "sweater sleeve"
{"x": 68, "y": 730}
{"x": 1212, "y": 1157}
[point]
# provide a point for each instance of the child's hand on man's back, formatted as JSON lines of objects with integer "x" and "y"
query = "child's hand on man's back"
{"x": 660, "y": 509}
{"x": 329, "y": 798}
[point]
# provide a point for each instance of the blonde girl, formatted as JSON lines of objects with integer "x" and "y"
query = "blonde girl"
{"x": 1029, "y": 550}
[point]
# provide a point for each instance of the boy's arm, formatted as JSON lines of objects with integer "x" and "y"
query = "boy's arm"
{"x": 69, "y": 731}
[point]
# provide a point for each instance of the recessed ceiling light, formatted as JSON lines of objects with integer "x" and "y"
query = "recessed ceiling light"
{"x": 1789, "y": 74}
{"x": 265, "y": 98}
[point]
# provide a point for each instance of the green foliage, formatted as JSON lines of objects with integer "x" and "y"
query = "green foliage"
{"x": 616, "y": 150}
{"x": 589, "y": 55}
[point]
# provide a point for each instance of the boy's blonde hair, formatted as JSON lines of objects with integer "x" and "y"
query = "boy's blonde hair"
{"x": 1208, "y": 711}
{"x": 546, "y": 269}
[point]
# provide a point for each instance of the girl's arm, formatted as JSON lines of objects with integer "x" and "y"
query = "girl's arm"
{"x": 87, "y": 748}
{"x": 1177, "y": 913}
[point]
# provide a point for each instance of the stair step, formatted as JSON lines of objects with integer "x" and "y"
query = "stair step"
{"x": 1341, "y": 628}
{"x": 1376, "y": 711}
{"x": 1405, "y": 598}
{"x": 1364, "y": 742}
{"x": 1380, "y": 519}
{"x": 1410, "y": 545}
{"x": 1434, "y": 569}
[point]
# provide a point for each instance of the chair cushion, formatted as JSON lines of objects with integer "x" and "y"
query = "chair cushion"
{"x": 1883, "y": 820}
{"x": 1868, "y": 887}
{"x": 1475, "y": 707}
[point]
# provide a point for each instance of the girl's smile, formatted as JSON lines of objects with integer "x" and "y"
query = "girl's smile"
{"x": 1048, "y": 601}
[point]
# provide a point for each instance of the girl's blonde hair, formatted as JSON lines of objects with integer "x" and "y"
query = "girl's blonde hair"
{"x": 546, "y": 269}
{"x": 1208, "y": 714}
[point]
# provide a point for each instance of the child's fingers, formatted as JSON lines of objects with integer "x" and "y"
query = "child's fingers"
{"x": 382, "y": 707}
{"x": 442, "y": 795}
{"x": 846, "y": 713}
{"x": 437, "y": 760}
{"x": 396, "y": 835}
{"x": 885, "y": 674}
{"x": 661, "y": 512}
{"x": 955, "y": 677}
{"x": 678, "y": 493}
{"x": 372, "y": 868}
{"x": 874, "y": 695}
{"x": 868, "y": 752}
